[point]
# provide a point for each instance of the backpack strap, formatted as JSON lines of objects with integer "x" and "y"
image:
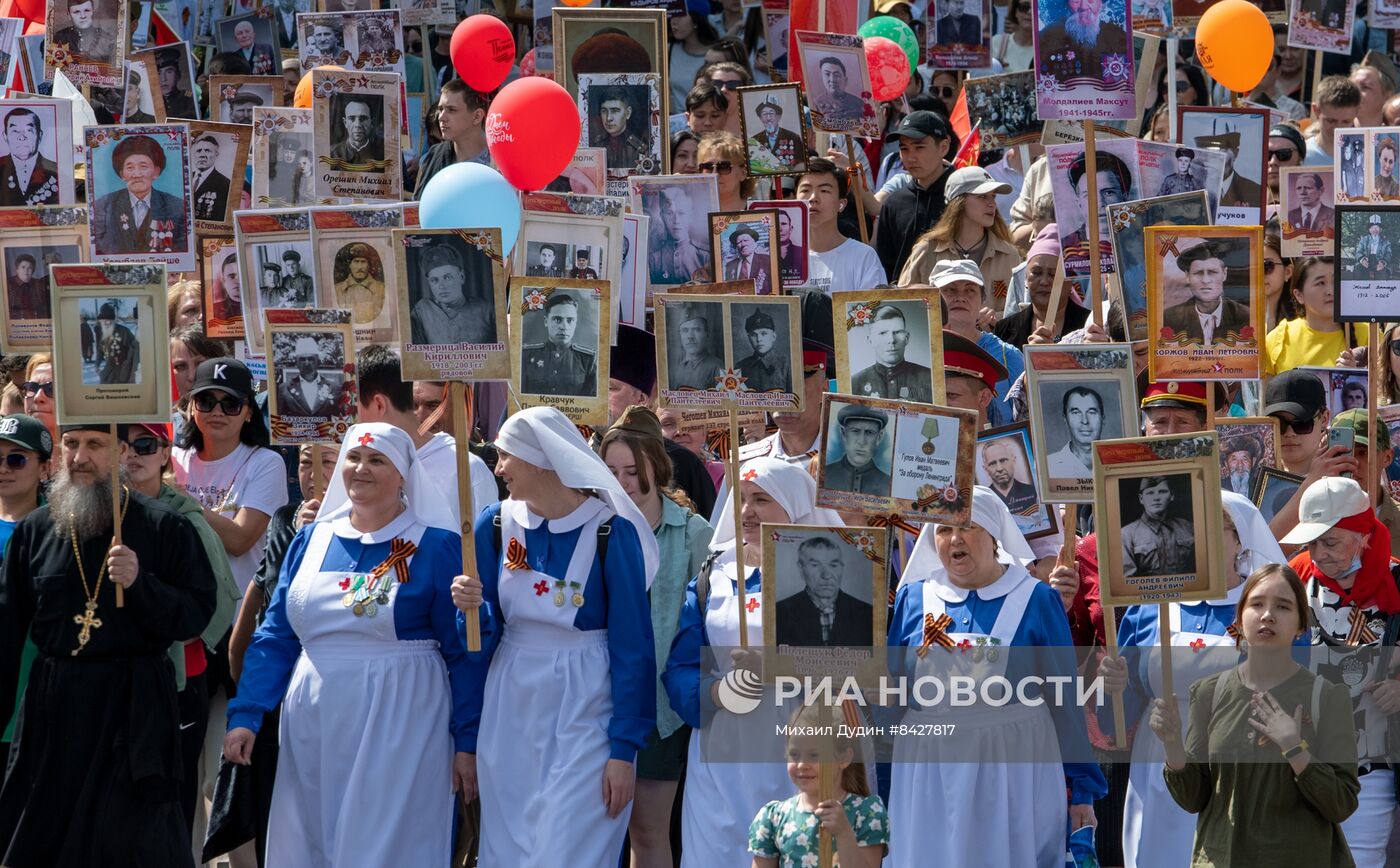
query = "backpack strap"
{"x": 702, "y": 582}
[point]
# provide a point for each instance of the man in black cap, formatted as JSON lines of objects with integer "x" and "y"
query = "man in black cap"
{"x": 95, "y": 767}
{"x": 1115, "y": 185}
{"x": 748, "y": 263}
{"x": 925, "y": 142}
{"x": 296, "y": 284}
{"x": 139, "y": 218}
{"x": 862, "y": 431}
{"x": 270, "y": 288}
{"x": 178, "y": 102}
{"x": 27, "y": 177}
{"x": 1181, "y": 181}
{"x": 446, "y": 311}
{"x": 118, "y": 351}
{"x": 766, "y": 368}
{"x": 582, "y": 270}
{"x": 1209, "y": 316}
{"x": 697, "y": 367}
{"x": 891, "y": 375}
{"x": 557, "y": 366}
{"x": 783, "y": 144}
{"x": 240, "y": 108}
{"x": 1236, "y": 190}
{"x": 362, "y": 147}
{"x": 210, "y": 186}
{"x": 613, "y": 132}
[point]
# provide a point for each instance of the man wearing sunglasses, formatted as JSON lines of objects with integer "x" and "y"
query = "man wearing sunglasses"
{"x": 1299, "y": 401}
{"x": 1286, "y": 148}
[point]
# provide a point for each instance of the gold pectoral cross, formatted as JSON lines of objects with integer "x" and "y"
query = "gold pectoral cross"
{"x": 87, "y": 622}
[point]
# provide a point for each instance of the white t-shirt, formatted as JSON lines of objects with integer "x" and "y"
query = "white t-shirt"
{"x": 250, "y": 477}
{"x": 849, "y": 265}
{"x": 439, "y": 456}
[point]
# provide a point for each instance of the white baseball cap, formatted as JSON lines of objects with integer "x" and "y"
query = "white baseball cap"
{"x": 973, "y": 180}
{"x": 952, "y": 270}
{"x": 1323, "y": 504}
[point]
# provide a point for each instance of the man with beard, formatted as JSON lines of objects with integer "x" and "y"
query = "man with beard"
{"x": 359, "y": 291}
{"x": 676, "y": 258}
{"x": 892, "y": 376}
{"x": 999, "y": 461}
{"x": 823, "y": 615}
{"x": 210, "y": 186}
{"x": 767, "y": 367}
{"x": 178, "y": 102}
{"x": 613, "y": 134}
{"x": 783, "y": 144}
{"x": 862, "y": 429}
{"x": 1083, "y": 416}
{"x": 27, "y": 177}
{"x": 118, "y": 351}
{"x": 698, "y": 368}
{"x": 28, "y": 295}
{"x": 374, "y": 38}
{"x": 1242, "y": 454}
{"x": 362, "y": 150}
{"x": 1076, "y": 46}
{"x": 582, "y": 270}
{"x": 557, "y": 366}
{"x": 307, "y": 391}
{"x": 95, "y": 767}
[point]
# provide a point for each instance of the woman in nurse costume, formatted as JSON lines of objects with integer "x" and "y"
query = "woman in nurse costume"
{"x": 361, "y": 637}
{"x": 566, "y": 650}
{"x": 722, "y": 797}
{"x": 1157, "y": 833}
{"x": 951, "y": 803}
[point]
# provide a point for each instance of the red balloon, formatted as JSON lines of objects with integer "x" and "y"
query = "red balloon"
{"x": 532, "y": 131}
{"x": 889, "y": 68}
{"x": 482, "y": 51}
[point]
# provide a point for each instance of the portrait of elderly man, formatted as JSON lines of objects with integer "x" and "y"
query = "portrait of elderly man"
{"x": 1000, "y": 461}
{"x": 957, "y": 26}
{"x": 210, "y": 186}
{"x": 1182, "y": 180}
{"x": 766, "y": 368}
{"x": 892, "y": 375}
{"x": 1237, "y": 191}
{"x": 1158, "y": 543}
{"x": 138, "y": 218}
{"x": 1242, "y": 454}
{"x": 1076, "y": 45}
{"x": 557, "y": 366}
{"x": 118, "y": 350}
{"x": 785, "y": 145}
{"x": 612, "y": 129}
{"x": 362, "y": 147}
{"x": 447, "y": 312}
{"x": 1208, "y": 315}
{"x": 87, "y": 37}
{"x": 862, "y": 431}
{"x": 1082, "y": 410}
{"x": 359, "y": 285}
{"x": 27, "y": 177}
{"x": 822, "y": 614}
{"x": 697, "y": 367}
{"x": 837, "y": 107}
{"x": 748, "y": 263}
{"x": 1309, "y": 213}
{"x": 260, "y": 56}
{"x": 306, "y": 391}
{"x": 1373, "y": 252}
{"x": 675, "y": 257}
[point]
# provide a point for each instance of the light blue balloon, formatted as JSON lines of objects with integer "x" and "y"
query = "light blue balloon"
{"x": 471, "y": 196}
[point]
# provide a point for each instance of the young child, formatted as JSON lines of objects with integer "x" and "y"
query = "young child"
{"x": 786, "y": 834}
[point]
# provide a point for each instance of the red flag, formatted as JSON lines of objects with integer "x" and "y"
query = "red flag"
{"x": 970, "y": 153}
{"x": 960, "y": 120}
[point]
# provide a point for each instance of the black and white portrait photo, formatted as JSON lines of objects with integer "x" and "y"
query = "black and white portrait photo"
{"x": 284, "y": 21}
{"x": 1116, "y": 182}
{"x": 356, "y": 132}
{"x": 236, "y": 99}
{"x": 1275, "y": 490}
{"x": 211, "y": 164}
{"x": 889, "y": 355}
{"x": 116, "y": 357}
{"x": 544, "y": 259}
{"x": 1077, "y": 414}
{"x": 773, "y": 128}
{"x": 357, "y": 137}
{"x": 559, "y": 345}
{"x": 310, "y": 372}
{"x": 252, "y": 42}
{"x": 322, "y": 41}
{"x": 175, "y": 81}
{"x": 1242, "y": 135}
{"x": 958, "y": 23}
{"x": 1217, "y": 274}
{"x": 451, "y": 292}
{"x": 288, "y": 175}
{"x": 823, "y": 591}
{"x": 284, "y": 274}
{"x": 27, "y": 278}
{"x": 759, "y": 334}
{"x": 1158, "y": 531}
{"x": 860, "y": 450}
{"x": 83, "y": 34}
{"x": 621, "y": 115}
{"x": 694, "y": 346}
{"x": 1006, "y": 106}
{"x": 1350, "y": 169}
{"x": 34, "y": 169}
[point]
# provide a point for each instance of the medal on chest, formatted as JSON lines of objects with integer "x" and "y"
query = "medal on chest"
{"x": 576, "y": 597}
{"x": 366, "y": 592}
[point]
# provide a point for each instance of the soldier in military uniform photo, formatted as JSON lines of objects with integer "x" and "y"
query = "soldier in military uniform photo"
{"x": 544, "y": 264}
{"x": 90, "y": 37}
{"x": 210, "y": 186}
{"x": 270, "y": 286}
{"x": 891, "y": 375}
{"x": 170, "y": 72}
{"x": 1237, "y": 191}
{"x": 675, "y": 258}
{"x": 612, "y": 128}
{"x": 558, "y": 366}
{"x": 861, "y": 432}
{"x": 837, "y": 107}
{"x": 296, "y": 284}
{"x": 27, "y": 177}
{"x": 582, "y": 270}
{"x": 692, "y": 362}
{"x": 359, "y": 287}
{"x": 767, "y": 368}
{"x": 1182, "y": 180}
{"x": 1160, "y": 542}
{"x": 785, "y": 145}
{"x": 361, "y": 148}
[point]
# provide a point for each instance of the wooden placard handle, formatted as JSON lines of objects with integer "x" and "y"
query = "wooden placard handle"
{"x": 460, "y": 395}
{"x": 740, "y": 568}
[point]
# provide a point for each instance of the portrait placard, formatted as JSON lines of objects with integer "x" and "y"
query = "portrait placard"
{"x": 810, "y": 570}
{"x": 632, "y": 297}
{"x": 1389, "y": 415}
{"x": 365, "y": 40}
{"x": 356, "y": 134}
{"x": 1084, "y": 60}
{"x": 1367, "y": 275}
{"x": 678, "y": 207}
{"x": 120, "y": 373}
{"x": 621, "y": 113}
{"x": 1117, "y": 167}
{"x": 355, "y": 267}
{"x": 1159, "y": 519}
{"x": 1322, "y": 25}
{"x": 1152, "y": 16}
{"x": 775, "y": 138}
{"x": 277, "y": 264}
{"x": 284, "y": 173}
{"x": 794, "y": 219}
{"x": 1273, "y": 491}
{"x": 251, "y": 38}
{"x": 559, "y": 346}
{"x": 1349, "y": 169}
{"x": 218, "y": 158}
{"x": 743, "y": 246}
{"x": 138, "y": 180}
{"x": 889, "y": 344}
{"x": 723, "y": 350}
{"x": 837, "y": 77}
{"x": 1078, "y": 395}
{"x": 10, "y": 30}
{"x": 1165, "y": 168}
{"x": 1243, "y": 136}
{"x": 897, "y": 458}
{"x": 961, "y": 36}
{"x": 32, "y": 242}
{"x": 222, "y": 277}
{"x": 599, "y": 41}
{"x": 349, "y": 5}
{"x": 1346, "y": 388}
{"x": 1005, "y": 104}
{"x": 174, "y": 81}
{"x": 36, "y": 156}
{"x": 1205, "y": 302}
{"x": 776, "y": 23}
{"x": 452, "y": 304}
{"x": 1307, "y": 218}
{"x": 87, "y": 41}
{"x": 144, "y": 103}
{"x": 570, "y": 246}
{"x": 312, "y": 394}
{"x": 1006, "y": 465}
{"x": 236, "y": 97}
{"x": 1248, "y": 444}
{"x": 1126, "y": 221}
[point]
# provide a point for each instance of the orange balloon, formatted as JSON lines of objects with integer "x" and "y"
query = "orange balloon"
{"x": 1235, "y": 44}
{"x": 577, "y": 2}
{"x": 302, "y": 97}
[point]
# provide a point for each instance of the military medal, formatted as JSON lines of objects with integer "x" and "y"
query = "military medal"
{"x": 559, "y": 593}
{"x": 930, "y": 431}
{"x": 577, "y": 598}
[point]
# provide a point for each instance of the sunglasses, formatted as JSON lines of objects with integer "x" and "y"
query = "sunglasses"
{"x": 1270, "y": 265}
{"x": 942, "y": 91}
{"x": 1300, "y": 427}
{"x": 32, "y": 388}
{"x": 205, "y": 402}
{"x": 1183, "y": 86}
{"x": 1395, "y": 348}
{"x": 144, "y": 445}
{"x": 725, "y": 85}
{"x": 16, "y": 460}
{"x": 723, "y": 167}
{"x": 1281, "y": 154}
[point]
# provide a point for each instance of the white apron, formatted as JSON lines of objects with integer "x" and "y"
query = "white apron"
{"x": 543, "y": 742}
{"x": 364, "y": 775}
{"x": 1157, "y": 832}
{"x": 983, "y": 812}
{"x": 722, "y": 798}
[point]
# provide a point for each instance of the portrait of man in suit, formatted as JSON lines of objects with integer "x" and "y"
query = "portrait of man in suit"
{"x": 210, "y": 186}
{"x": 792, "y": 257}
{"x": 138, "y": 218}
{"x": 90, "y": 37}
{"x": 306, "y": 390}
{"x": 1209, "y": 315}
{"x": 27, "y": 177}
{"x": 1309, "y": 214}
{"x": 999, "y": 460}
{"x": 1237, "y": 191}
{"x": 360, "y": 147}
{"x": 285, "y": 15}
{"x": 956, "y": 26}
{"x": 823, "y": 614}
{"x": 261, "y": 57}
{"x": 862, "y": 432}
{"x": 748, "y": 263}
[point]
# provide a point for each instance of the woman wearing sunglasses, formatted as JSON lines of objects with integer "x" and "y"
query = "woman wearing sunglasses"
{"x": 722, "y": 154}
{"x": 1013, "y": 48}
{"x": 38, "y": 392}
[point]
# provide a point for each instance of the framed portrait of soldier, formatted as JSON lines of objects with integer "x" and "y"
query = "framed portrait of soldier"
{"x": 1243, "y": 136}
{"x": 356, "y": 134}
{"x": 1205, "y": 303}
{"x": 252, "y": 39}
{"x": 1321, "y": 25}
{"x": 1006, "y": 106}
{"x": 87, "y": 41}
{"x": 961, "y": 35}
{"x": 32, "y": 242}
{"x": 1159, "y": 519}
{"x": 1165, "y": 168}
{"x": 1127, "y": 220}
{"x": 1306, "y": 212}
{"x": 1248, "y": 444}
{"x": 775, "y": 137}
{"x": 173, "y": 89}
{"x": 621, "y": 113}
{"x": 559, "y": 350}
{"x": 678, "y": 207}
{"x": 1078, "y": 395}
{"x": 1084, "y": 57}
{"x": 1116, "y": 169}
{"x": 235, "y": 97}
{"x": 321, "y": 40}
{"x": 567, "y": 246}
{"x": 284, "y": 173}
{"x": 218, "y": 157}
{"x": 312, "y": 391}
{"x": 138, "y": 181}
{"x": 889, "y": 344}
{"x": 452, "y": 304}
{"x": 1346, "y": 388}
{"x": 881, "y": 457}
{"x": 718, "y": 349}
{"x": 36, "y": 153}
{"x": 1274, "y": 490}
{"x": 794, "y": 220}
{"x": 610, "y": 41}
{"x": 1367, "y": 275}
{"x": 1006, "y": 464}
{"x": 355, "y": 267}
{"x": 222, "y": 277}
{"x": 276, "y": 264}
{"x": 112, "y": 343}
{"x": 837, "y": 77}
{"x": 825, "y": 590}
{"x": 743, "y": 246}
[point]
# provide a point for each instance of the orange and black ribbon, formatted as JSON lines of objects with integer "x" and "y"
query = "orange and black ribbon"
{"x": 717, "y": 441}
{"x": 515, "y": 555}
{"x": 400, "y": 550}
{"x": 586, "y": 431}
{"x": 1361, "y": 632}
{"x": 935, "y": 633}
{"x": 895, "y": 521}
{"x": 850, "y": 712}
{"x": 1233, "y": 631}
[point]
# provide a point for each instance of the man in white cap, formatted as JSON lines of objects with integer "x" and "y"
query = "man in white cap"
{"x": 307, "y": 392}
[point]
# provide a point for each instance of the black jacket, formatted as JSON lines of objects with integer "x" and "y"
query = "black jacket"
{"x": 908, "y": 213}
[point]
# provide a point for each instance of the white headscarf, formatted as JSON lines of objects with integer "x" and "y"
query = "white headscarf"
{"x": 989, "y": 513}
{"x": 791, "y": 486}
{"x": 423, "y": 499}
{"x": 544, "y": 437}
{"x": 1258, "y": 547}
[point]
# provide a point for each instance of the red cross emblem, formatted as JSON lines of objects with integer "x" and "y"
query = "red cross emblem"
{"x": 1197, "y": 644}
{"x": 752, "y": 605}
{"x": 366, "y": 439}
{"x": 345, "y": 583}
{"x": 541, "y": 588}
{"x": 750, "y": 475}
{"x": 965, "y": 644}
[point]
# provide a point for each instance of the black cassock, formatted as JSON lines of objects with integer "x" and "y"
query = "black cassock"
{"x": 95, "y": 765}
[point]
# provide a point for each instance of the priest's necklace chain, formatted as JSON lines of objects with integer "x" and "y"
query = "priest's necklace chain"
{"x": 88, "y": 620}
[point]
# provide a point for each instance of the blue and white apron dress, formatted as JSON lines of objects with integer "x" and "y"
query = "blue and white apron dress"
{"x": 364, "y": 776}
{"x": 722, "y": 798}
{"x": 543, "y": 743}
{"x": 1157, "y": 832}
{"x": 982, "y": 812}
